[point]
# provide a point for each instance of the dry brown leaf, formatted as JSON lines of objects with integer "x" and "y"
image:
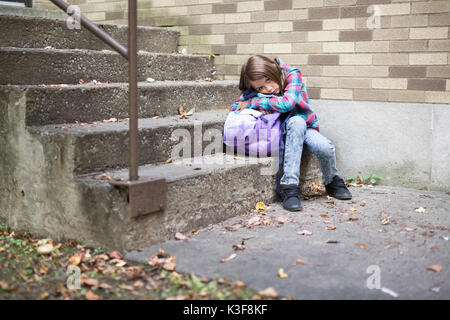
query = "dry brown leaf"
{"x": 299, "y": 261}
{"x": 435, "y": 268}
{"x": 268, "y": 293}
{"x": 45, "y": 248}
{"x": 91, "y": 296}
{"x": 75, "y": 259}
{"x": 43, "y": 296}
{"x": 353, "y": 218}
{"x": 182, "y": 112}
{"x": 180, "y": 236}
{"x": 362, "y": 245}
{"x": 90, "y": 282}
{"x": 282, "y": 219}
{"x": 332, "y": 241}
{"x": 409, "y": 229}
{"x": 282, "y": 274}
{"x": 324, "y": 215}
{"x": 330, "y": 227}
{"x": 115, "y": 255}
{"x": 230, "y": 257}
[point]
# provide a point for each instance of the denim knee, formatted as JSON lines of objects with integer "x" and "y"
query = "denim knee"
{"x": 326, "y": 151}
{"x": 297, "y": 124}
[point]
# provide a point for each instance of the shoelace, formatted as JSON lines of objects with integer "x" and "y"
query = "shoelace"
{"x": 291, "y": 193}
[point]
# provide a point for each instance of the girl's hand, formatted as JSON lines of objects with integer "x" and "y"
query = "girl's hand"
{"x": 242, "y": 105}
{"x": 265, "y": 111}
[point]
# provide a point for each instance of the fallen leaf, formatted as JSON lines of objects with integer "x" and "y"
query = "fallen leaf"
{"x": 253, "y": 221}
{"x": 304, "y": 233}
{"x": 115, "y": 255}
{"x": 385, "y": 221}
{"x": 260, "y": 206}
{"x": 332, "y": 241}
{"x": 353, "y": 209}
{"x": 90, "y": 282}
{"x": 268, "y": 293}
{"x": 110, "y": 120}
{"x": 362, "y": 204}
{"x": 182, "y": 112}
{"x": 195, "y": 232}
{"x": 104, "y": 286}
{"x": 190, "y": 112}
{"x": 353, "y": 218}
{"x": 420, "y": 210}
{"x": 91, "y": 296}
{"x": 384, "y": 214}
{"x": 435, "y": 268}
{"x": 75, "y": 259}
{"x": 324, "y": 215}
{"x": 282, "y": 219}
{"x": 238, "y": 247}
{"x": 4, "y": 285}
{"x": 299, "y": 261}
{"x": 330, "y": 227}
{"x": 232, "y": 256}
{"x": 44, "y": 295}
{"x": 43, "y": 270}
{"x": 138, "y": 284}
{"x": 169, "y": 160}
{"x": 362, "y": 245}
{"x": 180, "y": 236}
{"x": 282, "y": 274}
{"x": 409, "y": 229}
{"x": 45, "y": 248}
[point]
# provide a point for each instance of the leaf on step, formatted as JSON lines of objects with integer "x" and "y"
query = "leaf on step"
{"x": 230, "y": 257}
{"x": 362, "y": 245}
{"x": 332, "y": 241}
{"x": 282, "y": 274}
{"x": 45, "y": 248}
{"x": 190, "y": 112}
{"x": 282, "y": 219}
{"x": 420, "y": 210}
{"x": 268, "y": 293}
{"x": 385, "y": 221}
{"x": 75, "y": 259}
{"x": 435, "y": 268}
{"x": 304, "y": 233}
{"x": 330, "y": 227}
{"x": 110, "y": 120}
{"x": 182, "y": 112}
{"x": 260, "y": 206}
{"x": 180, "y": 236}
{"x": 299, "y": 261}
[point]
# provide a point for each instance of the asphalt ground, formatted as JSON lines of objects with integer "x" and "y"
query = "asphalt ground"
{"x": 386, "y": 243}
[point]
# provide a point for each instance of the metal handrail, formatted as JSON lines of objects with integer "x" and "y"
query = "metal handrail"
{"x": 131, "y": 55}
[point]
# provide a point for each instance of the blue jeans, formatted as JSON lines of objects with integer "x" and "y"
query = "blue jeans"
{"x": 298, "y": 136}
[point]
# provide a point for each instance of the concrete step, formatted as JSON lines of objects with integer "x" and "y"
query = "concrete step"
{"x": 102, "y": 145}
{"x": 96, "y": 102}
{"x": 220, "y": 189}
{"x": 38, "y": 32}
{"x": 56, "y": 66}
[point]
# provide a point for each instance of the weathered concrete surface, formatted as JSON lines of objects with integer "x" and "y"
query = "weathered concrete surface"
{"x": 405, "y": 143}
{"x": 97, "y": 102}
{"x": 37, "y": 32}
{"x": 400, "y": 251}
{"x": 32, "y": 12}
{"x": 68, "y": 66}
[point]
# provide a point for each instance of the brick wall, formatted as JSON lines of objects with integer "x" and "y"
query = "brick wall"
{"x": 379, "y": 50}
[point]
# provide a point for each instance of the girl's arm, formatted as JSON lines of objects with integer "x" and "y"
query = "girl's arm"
{"x": 295, "y": 93}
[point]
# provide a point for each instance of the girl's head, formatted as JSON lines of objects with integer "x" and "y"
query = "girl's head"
{"x": 263, "y": 75}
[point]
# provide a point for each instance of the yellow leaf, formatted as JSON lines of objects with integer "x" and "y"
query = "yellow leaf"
{"x": 299, "y": 261}
{"x": 261, "y": 206}
{"x": 435, "y": 268}
{"x": 281, "y": 274}
{"x": 44, "y": 296}
{"x": 75, "y": 260}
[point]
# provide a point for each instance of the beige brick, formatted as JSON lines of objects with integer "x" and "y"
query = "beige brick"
{"x": 394, "y": 9}
{"x": 211, "y": 19}
{"x": 341, "y": 94}
{"x": 186, "y": 2}
{"x": 437, "y": 97}
{"x": 406, "y": 95}
{"x": 339, "y": 24}
{"x": 311, "y": 70}
{"x": 323, "y": 35}
{"x": 323, "y": 59}
{"x": 372, "y": 46}
{"x": 204, "y": 9}
{"x": 250, "y": 48}
{"x": 448, "y": 85}
{"x": 295, "y": 36}
{"x": 279, "y": 26}
{"x": 390, "y": 59}
{"x": 96, "y": 16}
{"x": 408, "y": 46}
{"x": 409, "y": 21}
{"x": 431, "y": 7}
{"x": 277, "y": 48}
{"x": 237, "y": 17}
{"x": 391, "y": 34}
{"x": 265, "y": 37}
{"x": 429, "y": 33}
{"x": 356, "y": 71}
{"x": 338, "y": 47}
{"x": 294, "y": 14}
{"x": 439, "y": 19}
{"x": 307, "y": 47}
{"x": 350, "y": 83}
{"x": 336, "y": 3}
{"x": 297, "y": 59}
{"x": 198, "y": 48}
{"x": 389, "y": 83}
{"x": 323, "y": 13}
{"x": 439, "y": 45}
{"x": 355, "y": 59}
{"x": 236, "y": 59}
{"x": 307, "y": 3}
{"x": 426, "y": 84}
{"x": 323, "y": 82}
{"x": 427, "y": 58}
{"x": 224, "y": 8}
{"x": 437, "y": 72}
{"x": 265, "y": 16}
{"x": 277, "y": 5}
{"x": 250, "y": 6}
{"x": 370, "y": 95}
{"x": 369, "y": 23}
{"x": 163, "y": 3}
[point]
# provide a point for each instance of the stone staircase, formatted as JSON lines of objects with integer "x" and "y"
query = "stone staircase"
{"x": 64, "y": 136}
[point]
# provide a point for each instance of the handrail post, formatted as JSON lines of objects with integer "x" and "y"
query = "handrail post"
{"x": 132, "y": 88}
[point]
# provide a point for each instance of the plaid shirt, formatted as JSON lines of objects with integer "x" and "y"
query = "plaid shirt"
{"x": 294, "y": 98}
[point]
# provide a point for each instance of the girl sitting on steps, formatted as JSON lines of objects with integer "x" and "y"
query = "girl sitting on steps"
{"x": 261, "y": 76}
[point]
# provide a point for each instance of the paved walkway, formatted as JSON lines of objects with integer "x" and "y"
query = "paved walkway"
{"x": 382, "y": 240}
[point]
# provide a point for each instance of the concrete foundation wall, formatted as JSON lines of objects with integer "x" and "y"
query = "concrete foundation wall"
{"x": 407, "y": 144}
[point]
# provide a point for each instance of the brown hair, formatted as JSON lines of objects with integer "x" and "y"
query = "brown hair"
{"x": 258, "y": 67}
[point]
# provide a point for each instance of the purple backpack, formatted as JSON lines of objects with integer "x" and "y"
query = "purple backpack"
{"x": 251, "y": 132}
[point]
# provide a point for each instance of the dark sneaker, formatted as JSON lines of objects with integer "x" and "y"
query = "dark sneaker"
{"x": 291, "y": 200}
{"x": 338, "y": 189}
